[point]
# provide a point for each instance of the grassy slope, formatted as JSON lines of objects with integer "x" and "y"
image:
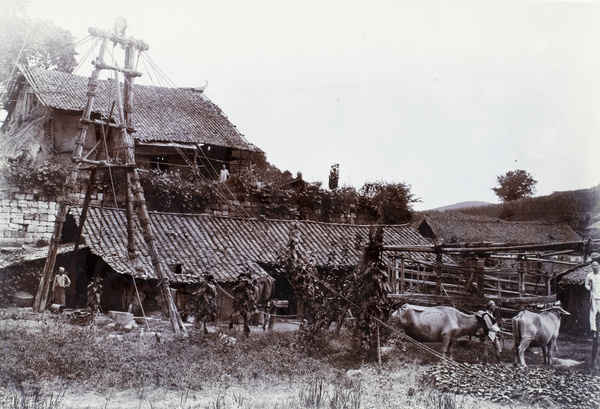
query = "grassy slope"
{"x": 578, "y": 208}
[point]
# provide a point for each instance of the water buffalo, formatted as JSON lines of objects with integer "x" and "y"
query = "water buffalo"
{"x": 436, "y": 324}
{"x": 536, "y": 329}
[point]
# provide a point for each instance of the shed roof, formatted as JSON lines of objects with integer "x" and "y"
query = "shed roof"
{"x": 576, "y": 276}
{"x": 161, "y": 114}
{"x": 224, "y": 246}
{"x": 11, "y": 257}
{"x": 498, "y": 231}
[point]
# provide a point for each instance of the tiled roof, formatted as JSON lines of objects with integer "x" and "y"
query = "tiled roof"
{"x": 499, "y": 231}
{"x": 25, "y": 254}
{"x": 576, "y": 276}
{"x": 224, "y": 246}
{"x": 183, "y": 115}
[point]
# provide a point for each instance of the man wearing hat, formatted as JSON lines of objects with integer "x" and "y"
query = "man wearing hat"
{"x": 492, "y": 329}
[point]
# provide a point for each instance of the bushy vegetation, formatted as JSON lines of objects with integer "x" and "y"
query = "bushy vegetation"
{"x": 47, "y": 179}
{"x": 41, "y": 350}
{"x": 275, "y": 193}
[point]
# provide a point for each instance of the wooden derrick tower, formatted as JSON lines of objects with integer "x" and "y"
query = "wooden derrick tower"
{"x": 124, "y": 159}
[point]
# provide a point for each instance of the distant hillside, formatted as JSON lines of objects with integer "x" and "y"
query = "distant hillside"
{"x": 578, "y": 208}
{"x": 461, "y": 205}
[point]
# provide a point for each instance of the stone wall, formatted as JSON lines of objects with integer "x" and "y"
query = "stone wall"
{"x": 25, "y": 218}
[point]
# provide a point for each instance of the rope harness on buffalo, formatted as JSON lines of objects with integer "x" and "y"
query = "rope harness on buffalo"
{"x": 408, "y": 338}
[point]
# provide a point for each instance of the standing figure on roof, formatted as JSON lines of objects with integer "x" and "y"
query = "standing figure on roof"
{"x": 224, "y": 175}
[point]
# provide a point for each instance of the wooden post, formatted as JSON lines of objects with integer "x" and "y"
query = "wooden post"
{"x": 480, "y": 277}
{"x": 402, "y": 275}
{"x": 126, "y": 144}
{"x": 41, "y": 297}
{"x": 438, "y": 274}
{"x": 521, "y": 271}
{"x": 130, "y": 228}
{"x": 392, "y": 276}
{"x": 498, "y": 285}
{"x": 378, "y": 347}
{"x": 82, "y": 217}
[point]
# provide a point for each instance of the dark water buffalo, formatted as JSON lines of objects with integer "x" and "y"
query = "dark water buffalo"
{"x": 536, "y": 329}
{"x": 436, "y": 324}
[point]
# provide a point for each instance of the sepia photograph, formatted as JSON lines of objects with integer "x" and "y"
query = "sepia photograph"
{"x": 285, "y": 204}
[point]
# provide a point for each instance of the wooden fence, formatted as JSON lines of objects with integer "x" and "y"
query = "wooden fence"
{"x": 471, "y": 282}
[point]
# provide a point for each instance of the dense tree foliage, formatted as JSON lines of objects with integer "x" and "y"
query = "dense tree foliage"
{"x": 32, "y": 43}
{"x": 515, "y": 184}
{"x": 334, "y": 176}
{"x": 388, "y": 203}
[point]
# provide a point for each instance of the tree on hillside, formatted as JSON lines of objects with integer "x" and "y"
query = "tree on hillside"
{"x": 32, "y": 43}
{"x": 389, "y": 203}
{"x": 515, "y": 184}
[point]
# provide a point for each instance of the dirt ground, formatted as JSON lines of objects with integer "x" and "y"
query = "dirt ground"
{"x": 381, "y": 389}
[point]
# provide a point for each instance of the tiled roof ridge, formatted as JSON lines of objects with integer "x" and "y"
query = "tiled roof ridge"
{"x": 238, "y": 218}
{"x": 495, "y": 220}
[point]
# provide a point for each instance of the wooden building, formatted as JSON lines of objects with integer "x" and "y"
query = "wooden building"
{"x": 480, "y": 230}
{"x": 514, "y": 263}
{"x": 191, "y": 244}
{"x": 174, "y": 128}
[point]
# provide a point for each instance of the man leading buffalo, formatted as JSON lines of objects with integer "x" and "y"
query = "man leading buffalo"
{"x": 491, "y": 329}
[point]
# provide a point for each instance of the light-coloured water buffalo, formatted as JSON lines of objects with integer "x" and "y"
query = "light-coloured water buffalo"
{"x": 436, "y": 324}
{"x": 536, "y": 329}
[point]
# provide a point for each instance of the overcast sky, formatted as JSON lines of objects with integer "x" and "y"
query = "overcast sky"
{"x": 442, "y": 95}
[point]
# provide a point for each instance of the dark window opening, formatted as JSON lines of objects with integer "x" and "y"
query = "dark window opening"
{"x": 69, "y": 229}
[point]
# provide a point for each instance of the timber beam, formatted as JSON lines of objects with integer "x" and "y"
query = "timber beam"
{"x": 448, "y": 248}
{"x": 104, "y": 66}
{"x": 118, "y": 38}
{"x": 431, "y": 299}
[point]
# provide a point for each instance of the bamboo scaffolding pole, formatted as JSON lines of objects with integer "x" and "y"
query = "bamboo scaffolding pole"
{"x": 133, "y": 182}
{"x": 41, "y": 297}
